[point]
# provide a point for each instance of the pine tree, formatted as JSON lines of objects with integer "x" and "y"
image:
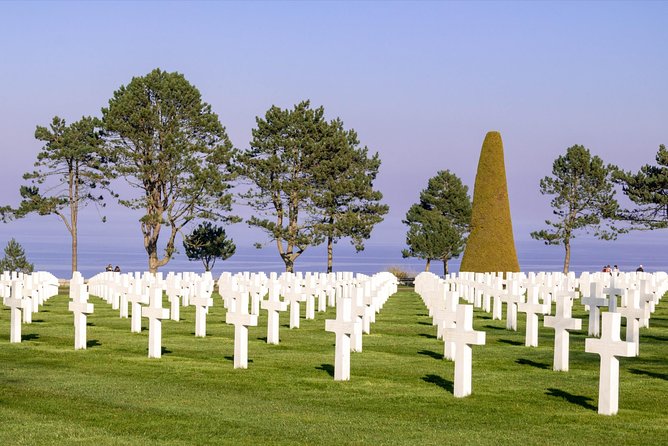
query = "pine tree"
{"x": 648, "y": 189}
{"x": 345, "y": 202}
{"x": 438, "y": 224}
{"x": 286, "y": 148}
{"x": 491, "y": 245}
{"x": 15, "y": 259}
{"x": 584, "y": 199}
{"x": 169, "y": 144}
{"x": 208, "y": 243}
{"x": 70, "y": 172}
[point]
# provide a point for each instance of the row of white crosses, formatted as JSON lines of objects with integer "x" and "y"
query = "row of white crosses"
{"x": 144, "y": 292}
{"x": 24, "y": 294}
{"x": 455, "y": 325}
{"x": 631, "y": 295}
{"x": 365, "y": 296}
{"x": 356, "y": 306}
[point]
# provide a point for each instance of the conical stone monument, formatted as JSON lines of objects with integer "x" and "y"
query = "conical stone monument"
{"x": 490, "y": 246}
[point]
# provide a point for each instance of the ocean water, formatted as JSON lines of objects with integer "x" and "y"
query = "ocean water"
{"x": 95, "y": 252}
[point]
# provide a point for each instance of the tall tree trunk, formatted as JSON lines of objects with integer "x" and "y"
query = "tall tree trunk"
{"x": 330, "y": 250}
{"x": 445, "y": 267}
{"x": 567, "y": 257}
{"x": 74, "y": 247}
{"x": 426, "y": 268}
{"x": 289, "y": 265}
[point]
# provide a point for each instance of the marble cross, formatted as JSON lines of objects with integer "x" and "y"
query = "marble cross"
{"x": 343, "y": 326}
{"x": 17, "y": 304}
{"x": 81, "y": 308}
{"x": 155, "y": 314}
{"x": 273, "y": 306}
{"x": 595, "y": 300}
{"x": 463, "y": 336}
{"x": 608, "y": 347}
{"x": 532, "y": 307}
{"x": 241, "y": 320}
{"x": 561, "y": 322}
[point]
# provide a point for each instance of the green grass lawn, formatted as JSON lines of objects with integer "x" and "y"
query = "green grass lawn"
{"x": 400, "y": 390}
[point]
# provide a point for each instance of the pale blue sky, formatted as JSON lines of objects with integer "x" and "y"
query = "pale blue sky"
{"x": 421, "y": 82}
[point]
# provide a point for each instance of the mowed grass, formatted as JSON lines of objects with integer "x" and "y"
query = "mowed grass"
{"x": 400, "y": 390}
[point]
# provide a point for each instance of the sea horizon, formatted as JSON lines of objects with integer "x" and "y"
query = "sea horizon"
{"x": 53, "y": 255}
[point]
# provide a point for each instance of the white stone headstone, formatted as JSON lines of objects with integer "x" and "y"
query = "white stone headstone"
{"x": 202, "y": 301}
{"x": 273, "y": 306}
{"x": 17, "y": 305}
{"x": 343, "y": 326}
{"x": 608, "y": 347}
{"x": 532, "y": 307}
{"x": 241, "y": 320}
{"x": 594, "y": 301}
{"x": 463, "y": 336}
{"x": 561, "y": 322}
{"x": 81, "y": 308}
{"x": 155, "y": 314}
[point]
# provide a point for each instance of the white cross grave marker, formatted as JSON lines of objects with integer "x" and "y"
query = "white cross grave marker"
{"x": 463, "y": 336}
{"x": 241, "y": 321}
{"x": 17, "y": 304}
{"x": 343, "y": 326}
{"x": 595, "y": 300}
{"x": 294, "y": 296}
{"x": 633, "y": 314}
{"x": 532, "y": 308}
{"x": 562, "y": 322}
{"x": 202, "y": 301}
{"x": 137, "y": 296}
{"x": 273, "y": 307}
{"x": 155, "y": 314}
{"x": 609, "y": 346}
{"x": 81, "y": 308}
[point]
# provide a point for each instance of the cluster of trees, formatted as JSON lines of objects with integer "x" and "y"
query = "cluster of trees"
{"x": 583, "y": 190}
{"x": 308, "y": 179}
{"x": 583, "y": 200}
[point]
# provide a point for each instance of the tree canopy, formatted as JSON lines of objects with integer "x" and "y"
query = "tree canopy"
{"x": 648, "y": 189}
{"x": 167, "y": 143}
{"x": 287, "y": 146}
{"x": 15, "y": 259}
{"x": 439, "y": 223}
{"x": 584, "y": 199}
{"x": 70, "y": 172}
{"x": 345, "y": 202}
{"x": 208, "y": 243}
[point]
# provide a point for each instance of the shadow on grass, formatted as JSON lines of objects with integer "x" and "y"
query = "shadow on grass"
{"x": 263, "y": 339}
{"x": 329, "y": 368}
{"x": 29, "y": 337}
{"x": 90, "y": 324}
{"x": 538, "y": 365}
{"x": 165, "y": 350}
{"x": 430, "y": 336}
{"x": 494, "y": 328}
{"x": 93, "y": 343}
{"x": 656, "y": 338}
{"x": 425, "y": 323}
{"x": 663, "y": 376}
{"x": 231, "y": 358}
{"x": 38, "y": 320}
{"x": 431, "y": 354}
{"x": 580, "y": 400}
{"x": 484, "y": 317}
{"x": 440, "y": 382}
{"x": 511, "y": 342}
